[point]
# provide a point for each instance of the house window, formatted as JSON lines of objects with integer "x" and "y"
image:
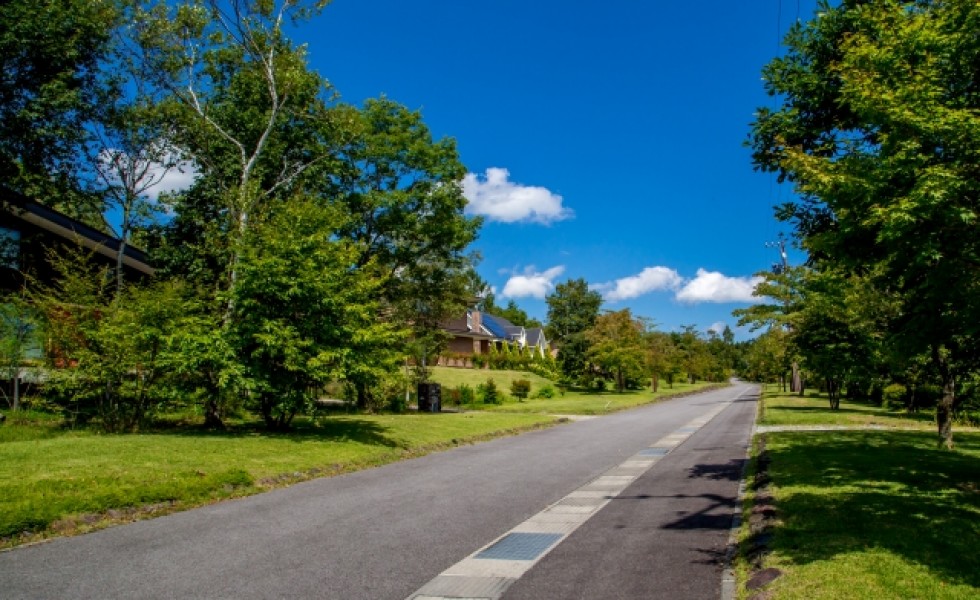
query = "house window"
{"x": 469, "y": 321}
{"x": 9, "y": 248}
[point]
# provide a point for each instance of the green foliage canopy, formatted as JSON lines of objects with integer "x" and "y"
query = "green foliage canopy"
{"x": 878, "y": 128}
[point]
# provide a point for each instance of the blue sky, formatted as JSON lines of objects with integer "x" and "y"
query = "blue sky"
{"x": 604, "y": 139}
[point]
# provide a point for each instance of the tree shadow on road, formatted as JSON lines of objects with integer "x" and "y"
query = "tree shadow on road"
{"x": 729, "y": 471}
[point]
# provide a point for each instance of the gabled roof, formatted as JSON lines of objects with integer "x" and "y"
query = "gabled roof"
{"x": 535, "y": 336}
{"x": 497, "y": 326}
{"x": 514, "y": 330}
{"x": 69, "y": 229}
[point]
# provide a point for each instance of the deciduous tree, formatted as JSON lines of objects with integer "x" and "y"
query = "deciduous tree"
{"x": 616, "y": 345}
{"x": 572, "y": 310}
{"x": 50, "y": 56}
{"x": 877, "y": 129}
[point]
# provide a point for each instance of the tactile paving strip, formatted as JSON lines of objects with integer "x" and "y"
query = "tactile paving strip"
{"x": 486, "y": 574}
{"x": 520, "y": 546}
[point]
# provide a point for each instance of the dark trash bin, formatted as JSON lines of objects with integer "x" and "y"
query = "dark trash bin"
{"x": 430, "y": 397}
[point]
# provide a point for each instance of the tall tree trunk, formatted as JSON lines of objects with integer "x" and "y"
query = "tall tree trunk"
{"x": 944, "y": 409}
{"x": 833, "y": 393}
{"x": 212, "y": 415}
{"x": 362, "y": 395}
{"x": 654, "y": 383}
{"x": 944, "y": 413}
{"x": 796, "y": 384}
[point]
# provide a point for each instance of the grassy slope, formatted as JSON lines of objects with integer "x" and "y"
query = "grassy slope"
{"x": 576, "y": 402}
{"x": 454, "y": 377}
{"x": 871, "y": 514}
{"x": 573, "y": 402}
{"x": 51, "y": 480}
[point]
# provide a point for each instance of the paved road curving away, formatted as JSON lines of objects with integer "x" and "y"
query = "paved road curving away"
{"x": 386, "y": 532}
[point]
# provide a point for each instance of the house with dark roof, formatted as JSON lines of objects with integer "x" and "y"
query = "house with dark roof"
{"x": 467, "y": 334}
{"x": 474, "y": 333}
{"x": 537, "y": 340}
{"x": 29, "y": 231}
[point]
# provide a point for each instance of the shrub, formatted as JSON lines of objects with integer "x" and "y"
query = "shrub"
{"x": 543, "y": 370}
{"x": 927, "y": 395}
{"x": 893, "y": 396}
{"x": 545, "y": 392}
{"x": 453, "y": 396}
{"x": 489, "y": 392}
{"x": 520, "y": 388}
{"x": 466, "y": 395}
{"x": 397, "y": 404}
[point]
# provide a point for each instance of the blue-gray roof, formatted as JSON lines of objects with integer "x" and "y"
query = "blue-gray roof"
{"x": 497, "y": 326}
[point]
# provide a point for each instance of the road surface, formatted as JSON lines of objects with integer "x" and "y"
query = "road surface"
{"x": 636, "y": 504}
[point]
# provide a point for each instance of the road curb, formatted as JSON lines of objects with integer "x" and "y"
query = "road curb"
{"x": 728, "y": 579}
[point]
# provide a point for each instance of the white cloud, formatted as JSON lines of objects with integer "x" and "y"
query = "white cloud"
{"x": 712, "y": 286}
{"x": 175, "y": 179}
{"x": 531, "y": 283}
{"x": 498, "y": 199}
{"x": 718, "y": 327}
{"x": 153, "y": 177}
{"x": 650, "y": 279}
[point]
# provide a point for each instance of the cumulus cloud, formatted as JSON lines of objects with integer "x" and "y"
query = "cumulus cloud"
{"x": 650, "y": 279}
{"x": 717, "y": 327}
{"x": 173, "y": 179}
{"x": 531, "y": 283}
{"x": 159, "y": 169}
{"x": 712, "y": 286}
{"x": 498, "y": 199}
{"x": 707, "y": 286}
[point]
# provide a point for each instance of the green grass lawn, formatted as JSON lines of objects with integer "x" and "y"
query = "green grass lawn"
{"x": 876, "y": 514}
{"x": 573, "y": 402}
{"x": 451, "y": 377}
{"x": 54, "y": 481}
{"x": 813, "y": 409}
{"x": 578, "y": 402}
{"x": 870, "y": 514}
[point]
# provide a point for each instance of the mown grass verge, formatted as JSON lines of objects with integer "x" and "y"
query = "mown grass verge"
{"x": 572, "y": 402}
{"x": 780, "y": 408}
{"x": 578, "y": 402}
{"x": 59, "y": 482}
{"x": 864, "y": 514}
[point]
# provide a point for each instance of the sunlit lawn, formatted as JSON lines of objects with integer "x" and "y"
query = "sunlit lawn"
{"x": 571, "y": 402}
{"x": 52, "y": 478}
{"x": 870, "y": 514}
{"x": 783, "y": 408}
{"x": 875, "y": 514}
{"x": 578, "y": 402}
{"x": 451, "y": 377}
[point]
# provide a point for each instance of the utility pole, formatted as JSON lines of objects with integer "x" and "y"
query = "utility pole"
{"x": 781, "y": 268}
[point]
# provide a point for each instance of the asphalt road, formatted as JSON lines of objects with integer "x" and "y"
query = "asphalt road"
{"x": 385, "y": 532}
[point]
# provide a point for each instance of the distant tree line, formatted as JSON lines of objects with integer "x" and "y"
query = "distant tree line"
{"x": 596, "y": 347}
